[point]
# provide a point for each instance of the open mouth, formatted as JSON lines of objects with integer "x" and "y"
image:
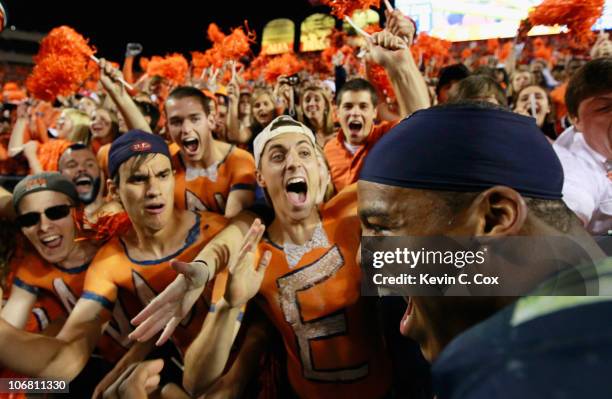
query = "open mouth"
{"x": 297, "y": 190}
{"x": 155, "y": 209}
{"x": 405, "y": 323}
{"x": 355, "y": 127}
{"x": 191, "y": 145}
{"x": 83, "y": 183}
{"x": 52, "y": 241}
{"x": 264, "y": 117}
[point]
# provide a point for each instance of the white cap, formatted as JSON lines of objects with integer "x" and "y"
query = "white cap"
{"x": 281, "y": 125}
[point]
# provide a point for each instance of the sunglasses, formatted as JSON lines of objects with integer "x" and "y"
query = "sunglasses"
{"x": 53, "y": 213}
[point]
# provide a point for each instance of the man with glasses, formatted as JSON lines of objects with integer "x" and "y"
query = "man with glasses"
{"x": 53, "y": 263}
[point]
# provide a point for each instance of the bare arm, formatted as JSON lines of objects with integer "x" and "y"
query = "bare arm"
{"x": 18, "y": 307}
{"x": 206, "y": 357}
{"x": 137, "y": 353}
{"x": 109, "y": 77}
{"x": 61, "y": 357}
{"x": 237, "y": 201}
{"x": 6, "y": 204}
{"x": 233, "y": 383}
{"x": 233, "y": 122}
{"x": 168, "y": 308}
{"x": 407, "y": 81}
{"x": 16, "y": 141}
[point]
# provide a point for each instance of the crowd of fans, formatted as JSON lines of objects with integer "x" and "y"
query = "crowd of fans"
{"x": 224, "y": 213}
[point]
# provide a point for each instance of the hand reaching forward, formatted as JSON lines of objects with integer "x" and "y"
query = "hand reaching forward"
{"x": 171, "y": 306}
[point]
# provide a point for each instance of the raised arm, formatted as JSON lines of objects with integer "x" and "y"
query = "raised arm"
{"x": 6, "y": 204}
{"x": 390, "y": 49}
{"x": 207, "y": 356}
{"x": 109, "y": 77}
{"x": 17, "y": 139}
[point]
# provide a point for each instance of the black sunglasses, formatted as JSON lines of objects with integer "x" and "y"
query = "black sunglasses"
{"x": 53, "y": 213}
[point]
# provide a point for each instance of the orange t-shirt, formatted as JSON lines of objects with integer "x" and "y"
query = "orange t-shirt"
{"x": 334, "y": 346}
{"x": 41, "y": 278}
{"x": 113, "y": 270}
{"x": 343, "y": 165}
{"x": 208, "y": 189}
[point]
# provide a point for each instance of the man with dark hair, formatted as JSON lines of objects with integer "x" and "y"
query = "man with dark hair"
{"x": 79, "y": 164}
{"x": 585, "y": 149}
{"x": 489, "y": 175}
{"x": 357, "y": 102}
{"x": 478, "y": 88}
{"x": 448, "y": 77}
{"x": 142, "y": 261}
{"x": 210, "y": 174}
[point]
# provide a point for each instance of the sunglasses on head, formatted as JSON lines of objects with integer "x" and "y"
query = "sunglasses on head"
{"x": 53, "y": 213}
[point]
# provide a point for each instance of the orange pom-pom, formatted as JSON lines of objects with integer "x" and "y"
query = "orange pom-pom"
{"x": 286, "y": 64}
{"x": 578, "y": 15}
{"x": 111, "y": 225}
{"x": 432, "y": 48}
{"x": 505, "y": 50}
{"x": 378, "y": 77}
{"x": 256, "y": 68}
{"x": 372, "y": 28}
{"x": 49, "y": 153}
{"x": 144, "y": 63}
{"x": 173, "y": 67}
{"x": 214, "y": 33}
{"x": 61, "y": 64}
{"x": 342, "y": 8}
{"x": 492, "y": 46}
{"x": 237, "y": 44}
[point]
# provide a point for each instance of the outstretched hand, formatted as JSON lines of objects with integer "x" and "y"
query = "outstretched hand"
{"x": 167, "y": 309}
{"x": 244, "y": 279}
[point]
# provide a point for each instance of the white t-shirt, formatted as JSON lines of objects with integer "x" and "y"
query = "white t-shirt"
{"x": 587, "y": 190}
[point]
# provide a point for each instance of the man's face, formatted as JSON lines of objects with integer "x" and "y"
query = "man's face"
{"x": 356, "y": 113}
{"x": 290, "y": 173}
{"x": 595, "y": 122}
{"x": 393, "y": 211}
{"x": 189, "y": 127}
{"x": 53, "y": 239}
{"x": 82, "y": 168}
{"x": 146, "y": 191}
